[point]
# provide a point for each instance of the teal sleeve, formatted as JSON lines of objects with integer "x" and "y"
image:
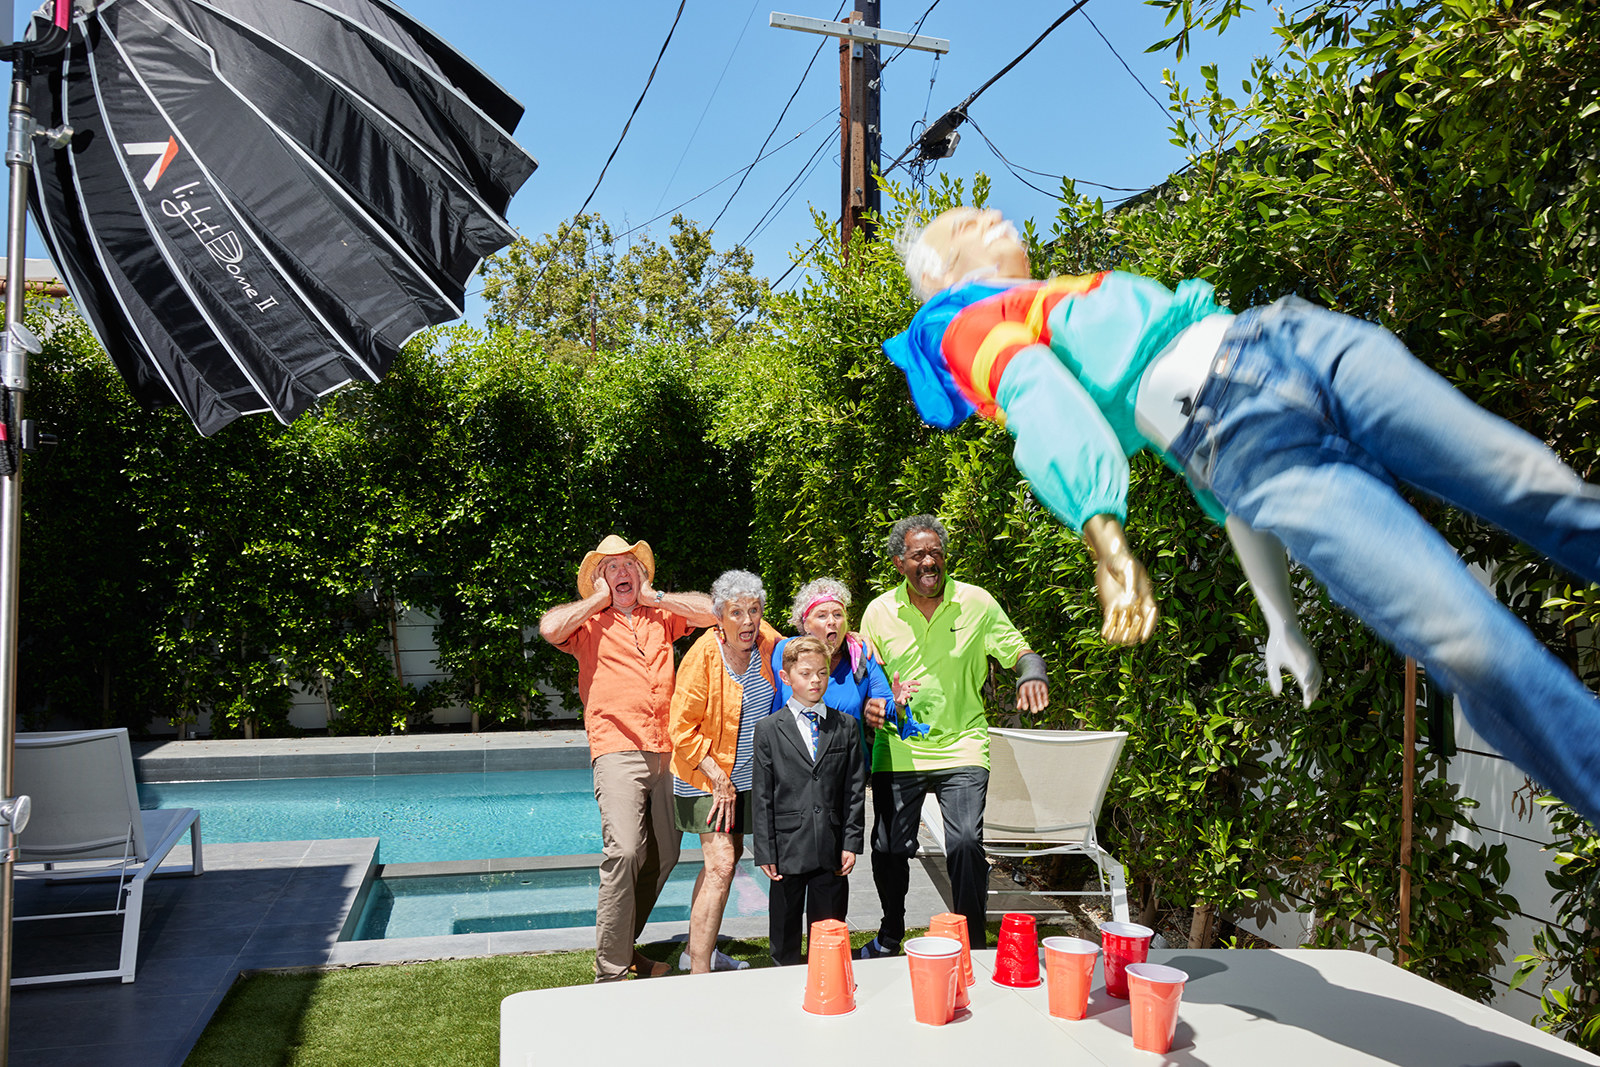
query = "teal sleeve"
{"x": 1209, "y": 504}
{"x": 1204, "y": 497}
{"x": 1064, "y": 446}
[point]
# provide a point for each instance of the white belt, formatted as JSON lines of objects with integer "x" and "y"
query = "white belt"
{"x": 1173, "y": 379}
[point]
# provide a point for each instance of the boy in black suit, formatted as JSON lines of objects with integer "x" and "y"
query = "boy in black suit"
{"x": 808, "y": 803}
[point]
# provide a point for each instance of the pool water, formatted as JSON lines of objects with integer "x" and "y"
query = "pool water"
{"x": 434, "y": 905}
{"x": 418, "y": 818}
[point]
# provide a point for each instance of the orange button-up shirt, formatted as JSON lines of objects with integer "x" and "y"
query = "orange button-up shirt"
{"x": 625, "y": 677}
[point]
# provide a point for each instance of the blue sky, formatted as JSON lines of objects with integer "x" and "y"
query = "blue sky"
{"x": 1069, "y": 108}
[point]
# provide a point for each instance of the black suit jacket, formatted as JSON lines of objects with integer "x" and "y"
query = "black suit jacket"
{"x": 806, "y": 813}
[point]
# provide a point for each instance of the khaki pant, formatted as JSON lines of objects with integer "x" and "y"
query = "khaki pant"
{"x": 634, "y": 791}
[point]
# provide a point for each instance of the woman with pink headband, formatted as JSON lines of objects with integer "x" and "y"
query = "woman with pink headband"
{"x": 857, "y": 684}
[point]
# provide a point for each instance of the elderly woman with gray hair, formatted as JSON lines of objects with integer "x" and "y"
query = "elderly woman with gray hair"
{"x": 857, "y": 684}
{"x": 725, "y": 686}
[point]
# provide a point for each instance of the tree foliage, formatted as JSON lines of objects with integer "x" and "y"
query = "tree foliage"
{"x": 577, "y": 293}
{"x": 167, "y": 576}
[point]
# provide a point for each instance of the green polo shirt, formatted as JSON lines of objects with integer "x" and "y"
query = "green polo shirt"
{"x": 949, "y": 654}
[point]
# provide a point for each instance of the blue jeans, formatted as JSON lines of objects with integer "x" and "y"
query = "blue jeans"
{"x": 1306, "y": 425}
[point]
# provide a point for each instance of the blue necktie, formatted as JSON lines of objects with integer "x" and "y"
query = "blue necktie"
{"x": 812, "y": 733}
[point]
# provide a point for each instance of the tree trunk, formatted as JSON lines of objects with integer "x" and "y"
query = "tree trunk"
{"x": 327, "y": 700}
{"x": 394, "y": 640}
{"x": 1202, "y": 926}
{"x": 1149, "y": 903}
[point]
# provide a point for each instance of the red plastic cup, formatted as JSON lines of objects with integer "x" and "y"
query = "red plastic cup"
{"x": 1123, "y": 943}
{"x": 830, "y": 985}
{"x": 949, "y": 924}
{"x": 935, "y": 976}
{"x": 1016, "y": 958}
{"x": 1069, "y": 967}
{"x": 1154, "y": 992}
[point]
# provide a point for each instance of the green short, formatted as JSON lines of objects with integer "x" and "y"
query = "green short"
{"x": 692, "y": 813}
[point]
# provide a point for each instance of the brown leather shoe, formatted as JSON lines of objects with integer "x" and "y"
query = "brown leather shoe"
{"x": 645, "y": 967}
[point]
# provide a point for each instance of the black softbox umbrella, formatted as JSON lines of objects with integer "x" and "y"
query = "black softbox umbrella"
{"x": 263, "y": 199}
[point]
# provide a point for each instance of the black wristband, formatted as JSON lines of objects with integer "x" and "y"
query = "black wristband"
{"x": 1030, "y": 668}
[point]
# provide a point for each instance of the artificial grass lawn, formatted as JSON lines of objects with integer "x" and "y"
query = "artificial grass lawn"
{"x": 444, "y": 1013}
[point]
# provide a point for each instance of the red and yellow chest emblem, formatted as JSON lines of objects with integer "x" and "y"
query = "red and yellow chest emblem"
{"x": 981, "y": 340}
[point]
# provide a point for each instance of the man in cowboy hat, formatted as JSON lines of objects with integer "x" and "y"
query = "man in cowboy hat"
{"x": 621, "y": 633}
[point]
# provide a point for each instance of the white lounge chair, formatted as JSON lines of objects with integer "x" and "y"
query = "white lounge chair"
{"x": 1045, "y": 792}
{"x": 86, "y": 824}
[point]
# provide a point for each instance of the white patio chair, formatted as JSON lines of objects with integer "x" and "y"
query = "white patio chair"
{"x": 86, "y": 824}
{"x": 1045, "y": 792}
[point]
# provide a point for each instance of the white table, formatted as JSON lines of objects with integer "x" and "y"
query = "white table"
{"x": 1303, "y": 1008}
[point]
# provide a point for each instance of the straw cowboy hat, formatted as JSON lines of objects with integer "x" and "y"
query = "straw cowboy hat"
{"x": 614, "y": 546}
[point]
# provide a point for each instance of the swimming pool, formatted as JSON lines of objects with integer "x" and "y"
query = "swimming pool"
{"x": 418, "y": 818}
{"x": 432, "y": 905}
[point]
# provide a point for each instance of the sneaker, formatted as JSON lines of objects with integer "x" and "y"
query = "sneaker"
{"x": 720, "y": 961}
{"x": 875, "y": 949}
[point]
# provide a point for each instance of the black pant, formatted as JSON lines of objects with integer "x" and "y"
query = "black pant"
{"x": 820, "y": 894}
{"x": 897, "y": 812}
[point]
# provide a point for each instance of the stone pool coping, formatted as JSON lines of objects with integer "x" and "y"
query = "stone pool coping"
{"x": 326, "y": 757}
{"x": 510, "y": 942}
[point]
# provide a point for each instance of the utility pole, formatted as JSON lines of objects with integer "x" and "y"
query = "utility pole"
{"x": 860, "y": 87}
{"x": 859, "y": 105}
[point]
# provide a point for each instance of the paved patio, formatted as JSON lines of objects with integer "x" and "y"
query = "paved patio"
{"x": 278, "y": 904}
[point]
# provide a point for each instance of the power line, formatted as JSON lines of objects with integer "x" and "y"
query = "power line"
{"x": 942, "y": 127}
{"x": 913, "y": 32}
{"x": 914, "y": 29}
{"x": 1014, "y": 167}
{"x": 1073, "y": 10}
{"x": 801, "y": 258}
{"x": 1127, "y": 68}
{"x": 712, "y": 96}
{"x": 654, "y": 67}
{"x": 788, "y": 193}
{"x": 727, "y": 178}
{"x": 759, "y": 157}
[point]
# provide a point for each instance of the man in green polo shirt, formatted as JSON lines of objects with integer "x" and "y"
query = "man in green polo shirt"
{"x": 941, "y": 633}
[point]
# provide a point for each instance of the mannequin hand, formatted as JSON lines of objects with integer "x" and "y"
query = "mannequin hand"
{"x": 1288, "y": 650}
{"x": 1121, "y": 582}
{"x": 1130, "y": 609}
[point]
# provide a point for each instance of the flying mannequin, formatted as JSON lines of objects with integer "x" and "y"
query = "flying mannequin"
{"x": 1294, "y": 427}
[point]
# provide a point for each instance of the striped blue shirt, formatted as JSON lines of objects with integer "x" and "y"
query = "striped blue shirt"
{"x": 756, "y": 705}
